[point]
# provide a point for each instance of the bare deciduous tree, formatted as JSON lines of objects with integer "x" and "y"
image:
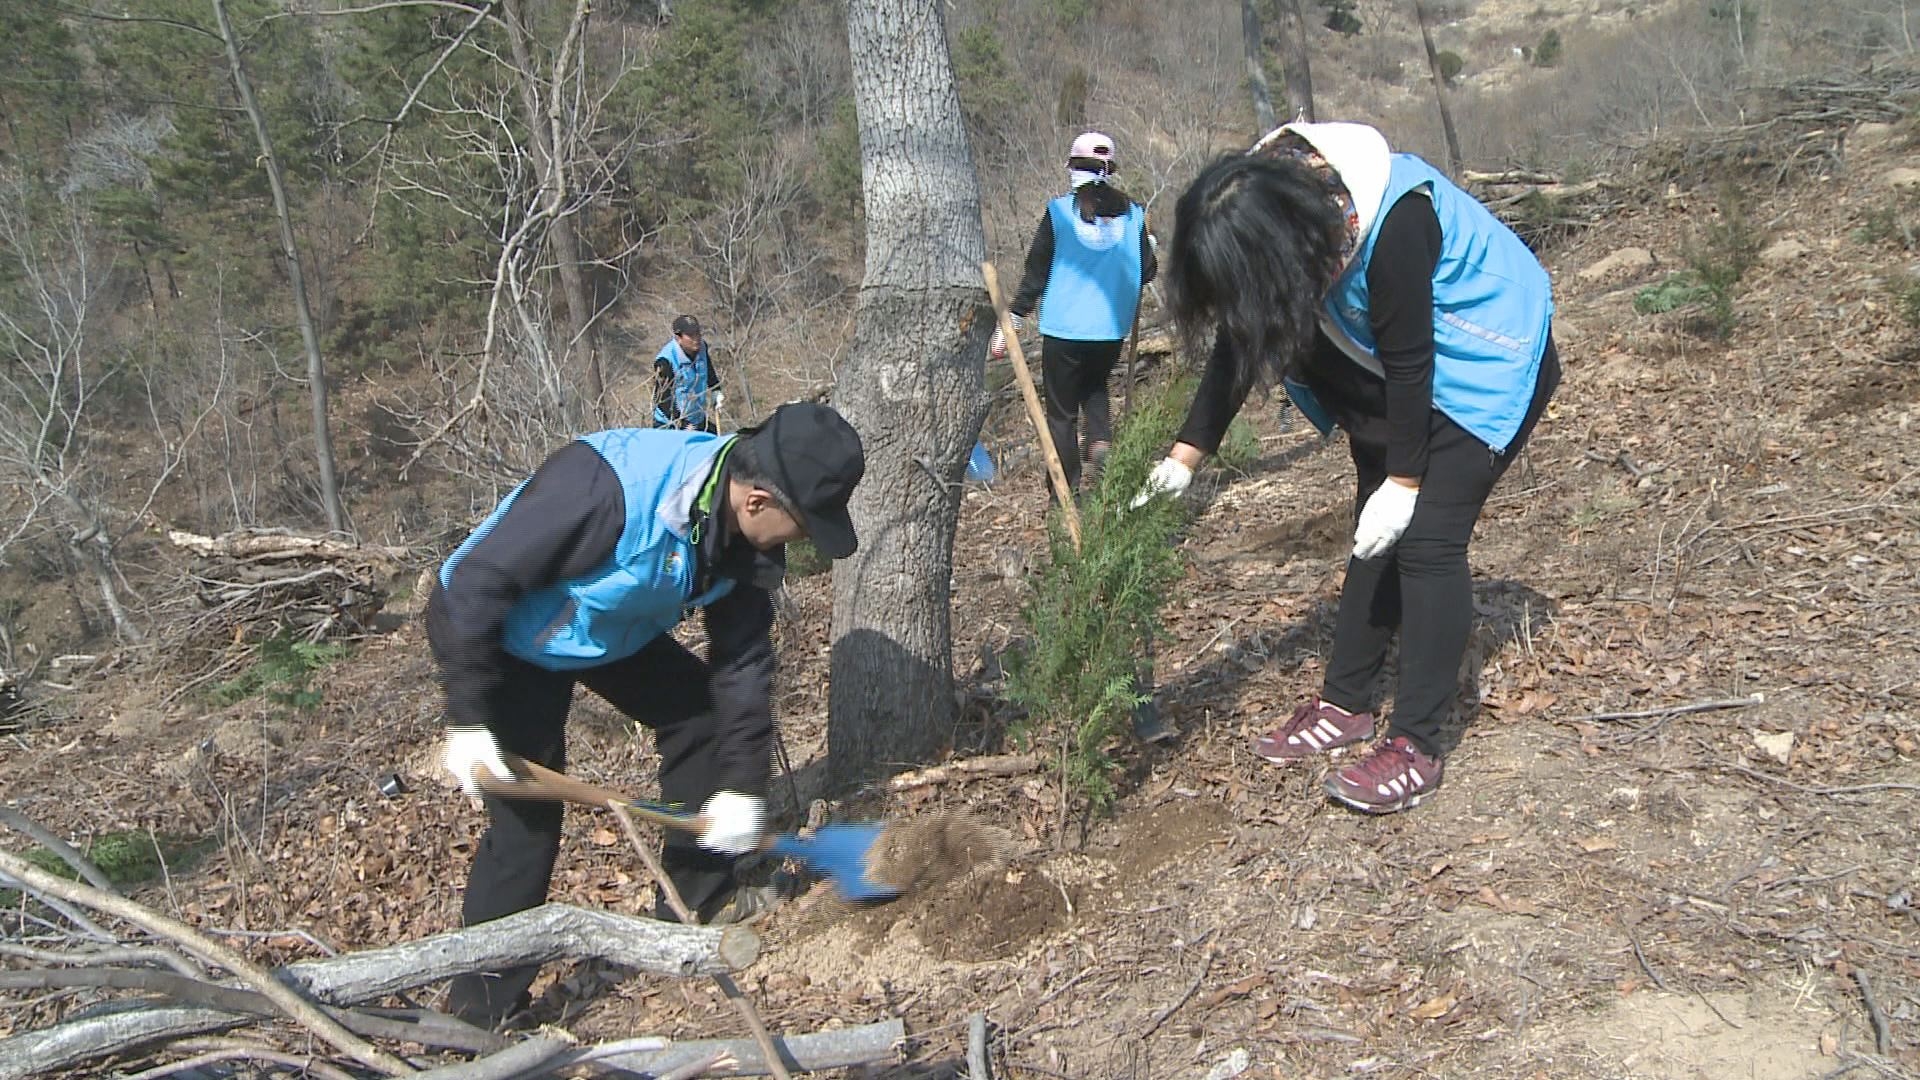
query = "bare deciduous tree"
{"x": 912, "y": 387}
{"x": 1253, "y": 39}
{"x": 1454, "y": 163}
{"x": 1293, "y": 44}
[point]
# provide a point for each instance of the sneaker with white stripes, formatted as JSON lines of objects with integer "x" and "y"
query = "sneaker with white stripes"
{"x": 1315, "y": 728}
{"x": 1393, "y": 776}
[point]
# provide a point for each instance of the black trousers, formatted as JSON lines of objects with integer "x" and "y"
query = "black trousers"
{"x": 662, "y": 686}
{"x": 1422, "y": 586}
{"x": 1076, "y": 375}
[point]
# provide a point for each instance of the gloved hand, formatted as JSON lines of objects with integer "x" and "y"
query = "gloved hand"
{"x": 468, "y": 748}
{"x": 1170, "y": 477}
{"x": 718, "y": 401}
{"x": 734, "y": 822}
{"x": 997, "y": 346}
{"x": 1383, "y": 518}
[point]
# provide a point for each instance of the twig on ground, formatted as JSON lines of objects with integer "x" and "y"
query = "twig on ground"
{"x": 212, "y": 952}
{"x": 1882, "y": 1036}
{"x": 131, "y": 954}
{"x": 1672, "y": 710}
{"x": 1206, "y": 964}
{"x": 1634, "y": 940}
{"x": 216, "y": 1050}
{"x": 968, "y": 769}
{"x": 1855, "y": 789}
{"x": 731, "y": 989}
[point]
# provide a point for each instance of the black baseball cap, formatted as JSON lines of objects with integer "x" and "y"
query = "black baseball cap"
{"x": 815, "y": 458}
{"x": 687, "y": 324}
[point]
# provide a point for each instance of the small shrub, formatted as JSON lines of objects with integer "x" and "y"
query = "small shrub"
{"x": 128, "y": 857}
{"x": 1075, "y": 86}
{"x": 283, "y": 670}
{"x": 1548, "y": 53}
{"x": 1451, "y": 65}
{"x": 1906, "y": 298}
{"x": 1885, "y": 225}
{"x": 1093, "y": 610}
{"x": 1340, "y": 16}
{"x": 804, "y": 560}
{"x": 1681, "y": 289}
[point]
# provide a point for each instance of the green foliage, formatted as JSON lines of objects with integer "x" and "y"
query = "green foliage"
{"x": 694, "y": 94}
{"x": 283, "y": 670}
{"x": 1717, "y": 258}
{"x": 128, "y": 857}
{"x": 1905, "y": 290}
{"x": 1888, "y": 225}
{"x": 1241, "y": 446}
{"x": 1451, "y": 65}
{"x": 1341, "y": 17}
{"x": 42, "y": 91}
{"x": 1091, "y": 611}
{"x": 1550, "y": 51}
{"x": 1681, "y": 289}
{"x": 988, "y": 87}
{"x": 836, "y": 179}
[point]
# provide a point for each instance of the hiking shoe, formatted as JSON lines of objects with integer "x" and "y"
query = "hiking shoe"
{"x": 749, "y": 904}
{"x": 1393, "y": 776}
{"x": 1316, "y": 728}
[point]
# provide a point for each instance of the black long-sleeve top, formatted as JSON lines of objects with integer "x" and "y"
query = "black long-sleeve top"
{"x": 663, "y": 385}
{"x": 1033, "y": 281}
{"x": 1393, "y": 410}
{"x": 565, "y": 523}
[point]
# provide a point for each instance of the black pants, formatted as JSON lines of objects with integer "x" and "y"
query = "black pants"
{"x": 663, "y": 686}
{"x": 1421, "y": 586}
{"x": 1076, "y": 374}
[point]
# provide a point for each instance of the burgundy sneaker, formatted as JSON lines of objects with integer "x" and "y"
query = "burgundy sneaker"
{"x": 1315, "y": 728}
{"x": 1393, "y": 776}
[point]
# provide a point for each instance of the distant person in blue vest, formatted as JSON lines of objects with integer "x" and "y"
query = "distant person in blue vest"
{"x": 1393, "y": 305}
{"x": 1088, "y": 261}
{"x": 686, "y": 384}
{"x": 577, "y": 577}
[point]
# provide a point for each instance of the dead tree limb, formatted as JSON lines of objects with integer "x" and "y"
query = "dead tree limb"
{"x": 970, "y": 768}
{"x": 541, "y": 935}
{"x": 69, "y": 854}
{"x": 212, "y": 952}
{"x": 210, "y": 1051}
{"x": 838, "y": 1049}
{"x": 128, "y": 954}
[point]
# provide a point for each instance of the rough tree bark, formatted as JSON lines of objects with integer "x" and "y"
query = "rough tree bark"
{"x": 1454, "y": 163}
{"x": 1253, "y": 39}
{"x": 309, "y": 338}
{"x": 1293, "y": 45}
{"x": 912, "y": 386}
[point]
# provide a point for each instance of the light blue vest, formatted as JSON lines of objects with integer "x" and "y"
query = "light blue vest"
{"x": 1094, "y": 283}
{"x": 691, "y": 377}
{"x": 1492, "y": 304}
{"x": 645, "y": 587}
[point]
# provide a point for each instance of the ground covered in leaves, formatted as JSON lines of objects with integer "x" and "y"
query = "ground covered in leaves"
{"x": 1606, "y": 886}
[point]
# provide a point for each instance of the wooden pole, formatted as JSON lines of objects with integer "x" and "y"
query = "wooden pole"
{"x": 1034, "y": 410}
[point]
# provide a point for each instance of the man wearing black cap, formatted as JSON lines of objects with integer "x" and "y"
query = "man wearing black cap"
{"x": 686, "y": 384}
{"x": 577, "y": 577}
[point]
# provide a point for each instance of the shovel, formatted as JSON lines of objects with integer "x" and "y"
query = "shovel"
{"x": 838, "y": 853}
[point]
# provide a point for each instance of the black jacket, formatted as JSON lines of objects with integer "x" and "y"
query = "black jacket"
{"x": 565, "y": 523}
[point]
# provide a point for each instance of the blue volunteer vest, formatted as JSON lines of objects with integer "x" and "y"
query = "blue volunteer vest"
{"x": 691, "y": 377}
{"x": 1492, "y": 305}
{"x": 1094, "y": 283}
{"x": 645, "y": 587}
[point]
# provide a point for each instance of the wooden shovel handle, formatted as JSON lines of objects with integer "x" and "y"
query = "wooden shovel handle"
{"x": 539, "y": 782}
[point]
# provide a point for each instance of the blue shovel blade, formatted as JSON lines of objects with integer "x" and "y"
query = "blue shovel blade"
{"x": 839, "y": 854}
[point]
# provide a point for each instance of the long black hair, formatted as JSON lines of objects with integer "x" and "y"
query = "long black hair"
{"x": 1257, "y": 244}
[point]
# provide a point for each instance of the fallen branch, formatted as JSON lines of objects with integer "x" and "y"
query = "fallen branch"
{"x": 212, "y": 952}
{"x": 541, "y": 935}
{"x": 1673, "y": 710}
{"x": 129, "y": 954}
{"x": 1153, "y": 1025}
{"x": 970, "y": 768}
{"x": 763, "y": 1041}
{"x": 1882, "y": 1037}
{"x": 838, "y": 1049}
{"x": 69, "y": 854}
{"x": 1854, "y": 789}
{"x": 215, "y": 1050}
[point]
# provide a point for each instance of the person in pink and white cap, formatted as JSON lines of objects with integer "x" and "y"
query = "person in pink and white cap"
{"x": 1090, "y": 257}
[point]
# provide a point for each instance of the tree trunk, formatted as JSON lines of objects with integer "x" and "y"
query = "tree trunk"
{"x": 1256, "y": 68}
{"x": 547, "y": 123}
{"x": 914, "y": 388}
{"x": 1454, "y": 163}
{"x": 316, "y": 368}
{"x": 1299, "y": 71}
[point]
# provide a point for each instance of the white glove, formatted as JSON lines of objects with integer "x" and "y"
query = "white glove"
{"x": 997, "y": 345}
{"x": 719, "y": 400}
{"x": 734, "y": 822}
{"x": 1170, "y": 477}
{"x": 468, "y": 748}
{"x": 1383, "y": 518}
